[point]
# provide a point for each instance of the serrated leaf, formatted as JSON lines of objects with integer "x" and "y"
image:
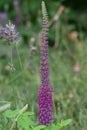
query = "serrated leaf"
{"x": 63, "y": 123}
{"x": 10, "y": 113}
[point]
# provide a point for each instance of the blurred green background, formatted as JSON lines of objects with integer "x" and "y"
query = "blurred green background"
{"x": 67, "y": 58}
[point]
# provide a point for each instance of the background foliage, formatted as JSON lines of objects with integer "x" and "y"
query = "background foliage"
{"x": 68, "y": 62}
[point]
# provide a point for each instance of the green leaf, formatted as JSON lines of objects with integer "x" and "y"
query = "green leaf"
{"x": 40, "y": 127}
{"x": 63, "y": 123}
{"x": 51, "y": 127}
{"x": 23, "y": 122}
{"x": 28, "y": 113}
{"x": 10, "y": 113}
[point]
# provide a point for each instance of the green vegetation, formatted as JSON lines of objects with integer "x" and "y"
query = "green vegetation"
{"x": 68, "y": 64}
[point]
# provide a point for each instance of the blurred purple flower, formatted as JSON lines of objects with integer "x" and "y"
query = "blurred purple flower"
{"x": 9, "y": 33}
{"x": 15, "y": 2}
{"x": 17, "y": 20}
{"x": 3, "y": 18}
{"x": 2, "y": 30}
{"x": 18, "y": 9}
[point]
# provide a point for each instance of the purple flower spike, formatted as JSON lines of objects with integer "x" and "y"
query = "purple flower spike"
{"x": 45, "y": 91}
{"x": 45, "y": 105}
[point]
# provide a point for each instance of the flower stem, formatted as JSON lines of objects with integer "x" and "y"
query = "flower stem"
{"x": 19, "y": 56}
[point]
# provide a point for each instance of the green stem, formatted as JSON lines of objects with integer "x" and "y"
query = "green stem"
{"x": 19, "y": 56}
{"x": 11, "y": 55}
